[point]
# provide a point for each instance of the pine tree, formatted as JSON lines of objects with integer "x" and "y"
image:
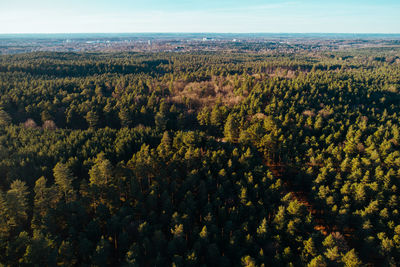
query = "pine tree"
{"x": 101, "y": 172}
{"x": 248, "y": 261}
{"x": 203, "y": 234}
{"x": 125, "y": 117}
{"x": 92, "y": 119}
{"x": 262, "y": 229}
{"x": 5, "y": 119}
{"x": 41, "y": 201}
{"x": 318, "y": 261}
{"x": 17, "y": 203}
{"x": 4, "y": 226}
{"x": 63, "y": 178}
{"x": 231, "y": 129}
{"x": 350, "y": 259}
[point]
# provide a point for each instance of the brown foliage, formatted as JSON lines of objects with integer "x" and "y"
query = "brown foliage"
{"x": 49, "y": 125}
{"x": 30, "y": 123}
{"x": 205, "y": 93}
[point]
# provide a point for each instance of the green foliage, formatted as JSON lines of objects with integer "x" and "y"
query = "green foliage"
{"x": 63, "y": 178}
{"x": 350, "y": 259}
{"x": 134, "y": 169}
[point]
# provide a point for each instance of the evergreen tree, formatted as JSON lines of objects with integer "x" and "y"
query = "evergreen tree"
{"x": 63, "y": 178}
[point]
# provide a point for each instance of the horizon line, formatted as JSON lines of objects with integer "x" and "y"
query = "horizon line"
{"x": 199, "y": 32}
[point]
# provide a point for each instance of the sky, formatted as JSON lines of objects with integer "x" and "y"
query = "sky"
{"x": 212, "y": 16}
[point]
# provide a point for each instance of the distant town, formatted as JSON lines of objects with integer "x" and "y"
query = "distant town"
{"x": 186, "y": 42}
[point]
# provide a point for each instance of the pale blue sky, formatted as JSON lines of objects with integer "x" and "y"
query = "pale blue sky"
{"x": 237, "y": 16}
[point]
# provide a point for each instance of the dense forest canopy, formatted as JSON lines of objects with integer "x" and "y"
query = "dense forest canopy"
{"x": 200, "y": 158}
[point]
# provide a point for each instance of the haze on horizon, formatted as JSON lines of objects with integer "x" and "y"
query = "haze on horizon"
{"x": 124, "y": 16}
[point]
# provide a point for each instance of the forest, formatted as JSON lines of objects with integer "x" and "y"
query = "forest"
{"x": 200, "y": 158}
